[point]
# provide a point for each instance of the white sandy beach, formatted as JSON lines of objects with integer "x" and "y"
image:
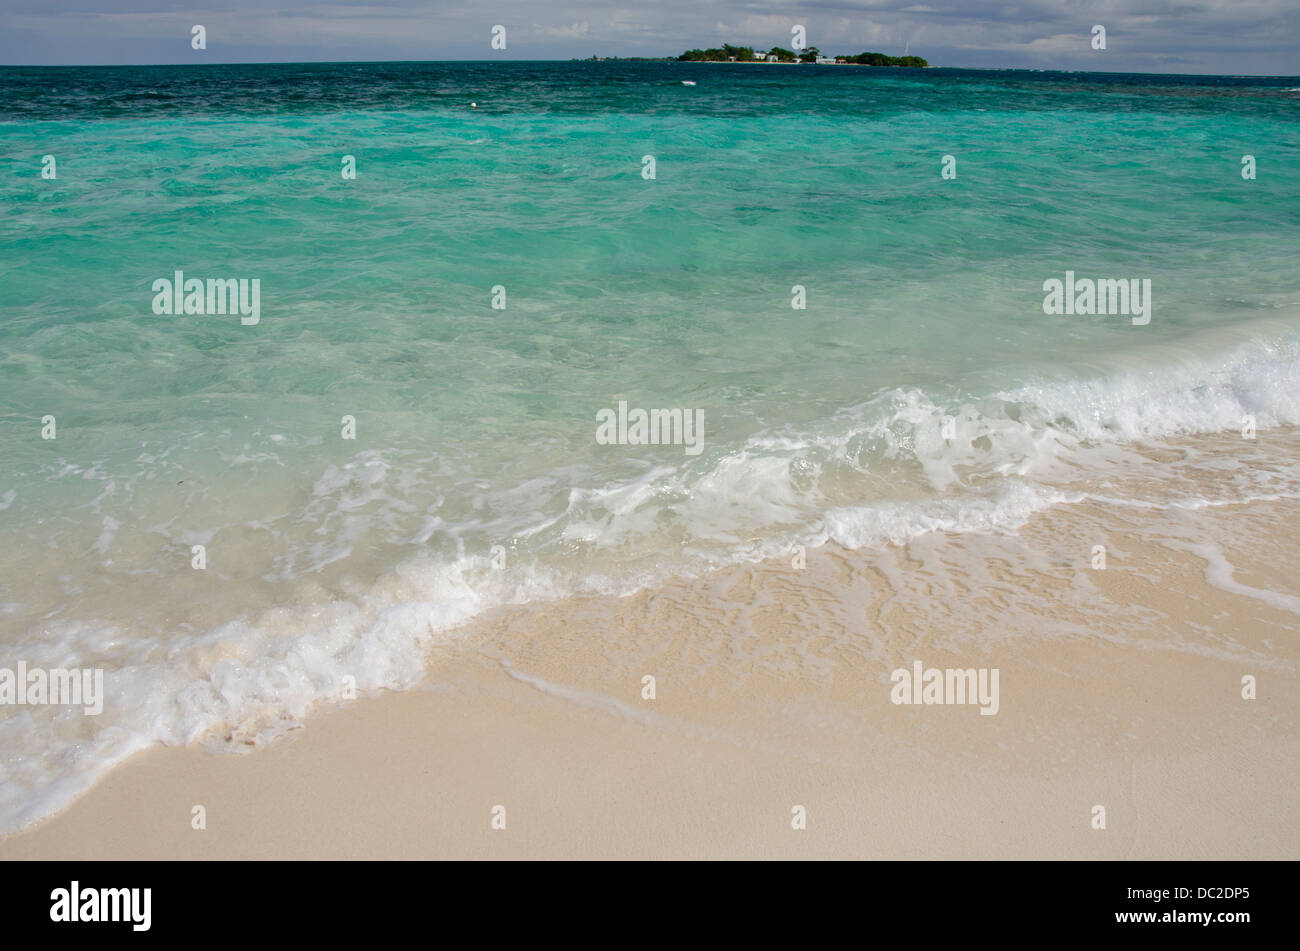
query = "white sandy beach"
{"x": 1119, "y": 688}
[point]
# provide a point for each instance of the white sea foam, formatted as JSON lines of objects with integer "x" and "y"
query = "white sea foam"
{"x": 883, "y": 472}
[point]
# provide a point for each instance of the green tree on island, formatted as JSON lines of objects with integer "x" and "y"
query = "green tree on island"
{"x": 742, "y": 54}
{"x": 880, "y": 59}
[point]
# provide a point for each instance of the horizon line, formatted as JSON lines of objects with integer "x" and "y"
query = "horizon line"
{"x": 589, "y": 59}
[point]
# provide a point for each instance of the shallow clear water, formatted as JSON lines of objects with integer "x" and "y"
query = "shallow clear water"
{"x": 923, "y": 386}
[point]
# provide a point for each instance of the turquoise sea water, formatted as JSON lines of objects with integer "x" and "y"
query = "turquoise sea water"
{"x": 923, "y": 386}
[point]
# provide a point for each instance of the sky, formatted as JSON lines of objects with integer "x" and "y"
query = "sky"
{"x": 1235, "y": 37}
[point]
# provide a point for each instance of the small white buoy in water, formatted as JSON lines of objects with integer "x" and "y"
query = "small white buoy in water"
{"x": 473, "y": 105}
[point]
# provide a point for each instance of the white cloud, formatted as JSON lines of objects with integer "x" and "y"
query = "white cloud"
{"x": 1223, "y": 36}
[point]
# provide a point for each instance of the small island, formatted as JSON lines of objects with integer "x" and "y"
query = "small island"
{"x": 746, "y": 54}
